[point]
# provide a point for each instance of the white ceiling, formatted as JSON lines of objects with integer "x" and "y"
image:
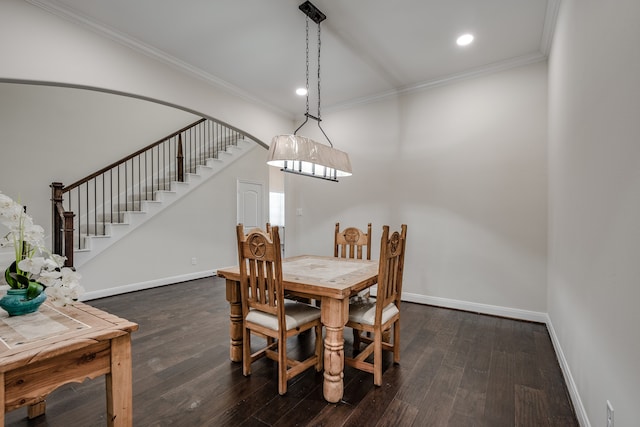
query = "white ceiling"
{"x": 370, "y": 48}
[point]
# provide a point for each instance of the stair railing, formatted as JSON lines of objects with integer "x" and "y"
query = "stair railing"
{"x": 85, "y": 207}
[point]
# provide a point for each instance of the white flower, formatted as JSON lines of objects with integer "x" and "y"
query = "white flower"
{"x": 33, "y": 260}
{"x": 10, "y": 215}
{"x": 74, "y": 292}
{"x": 58, "y": 259}
{"x": 10, "y": 211}
{"x": 20, "y": 225}
{"x": 69, "y": 276}
{"x": 60, "y": 294}
{"x": 31, "y": 265}
{"x": 50, "y": 265}
{"x": 56, "y": 295}
{"x": 49, "y": 278}
{"x": 4, "y": 201}
{"x": 34, "y": 235}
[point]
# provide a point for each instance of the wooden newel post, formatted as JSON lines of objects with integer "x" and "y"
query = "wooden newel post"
{"x": 56, "y": 221}
{"x": 68, "y": 238}
{"x": 180, "y": 160}
{"x": 61, "y": 225}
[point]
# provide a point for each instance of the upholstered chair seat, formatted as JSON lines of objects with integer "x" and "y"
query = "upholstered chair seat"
{"x": 296, "y": 314}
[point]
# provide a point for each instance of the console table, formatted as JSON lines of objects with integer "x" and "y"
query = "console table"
{"x": 57, "y": 345}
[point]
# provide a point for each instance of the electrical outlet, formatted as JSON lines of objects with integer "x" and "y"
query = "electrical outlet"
{"x": 609, "y": 414}
{"x": 194, "y": 261}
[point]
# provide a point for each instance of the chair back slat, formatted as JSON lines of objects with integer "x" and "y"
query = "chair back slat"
{"x": 260, "y": 270}
{"x": 262, "y": 292}
{"x": 390, "y": 269}
{"x": 351, "y": 242}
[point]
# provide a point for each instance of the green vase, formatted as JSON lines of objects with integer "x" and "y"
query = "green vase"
{"x": 16, "y": 304}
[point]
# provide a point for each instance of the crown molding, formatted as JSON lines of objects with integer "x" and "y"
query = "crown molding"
{"x": 448, "y": 79}
{"x": 61, "y": 11}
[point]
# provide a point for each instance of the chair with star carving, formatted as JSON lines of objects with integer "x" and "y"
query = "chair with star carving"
{"x": 265, "y": 311}
{"x": 351, "y": 242}
{"x": 377, "y": 317}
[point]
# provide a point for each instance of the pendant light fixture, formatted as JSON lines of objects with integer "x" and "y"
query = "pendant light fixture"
{"x": 302, "y": 155}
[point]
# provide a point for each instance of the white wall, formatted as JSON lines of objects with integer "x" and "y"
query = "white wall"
{"x": 201, "y": 226}
{"x": 59, "y": 134}
{"x": 355, "y": 200}
{"x": 42, "y": 48}
{"x": 594, "y": 207}
{"x": 464, "y": 166}
{"x": 63, "y": 134}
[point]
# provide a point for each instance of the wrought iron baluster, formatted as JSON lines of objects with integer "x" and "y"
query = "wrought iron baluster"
{"x": 198, "y": 141}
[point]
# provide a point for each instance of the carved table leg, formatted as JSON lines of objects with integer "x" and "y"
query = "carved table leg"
{"x": 334, "y": 316}
{"x": 119, "y": 385}
{"x": 235, "y": 328}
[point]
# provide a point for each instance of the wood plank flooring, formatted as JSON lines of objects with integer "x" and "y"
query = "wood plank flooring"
{"x": 457, "y": 369}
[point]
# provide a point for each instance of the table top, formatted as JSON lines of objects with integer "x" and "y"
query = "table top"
{"x": 317, "y": 276}
{"x": 54, "y": 330}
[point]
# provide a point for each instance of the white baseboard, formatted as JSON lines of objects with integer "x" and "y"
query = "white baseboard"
{"x": 494, "y": 310}
{"x": 145, "y": 285}
{"x": 578, "y": 407}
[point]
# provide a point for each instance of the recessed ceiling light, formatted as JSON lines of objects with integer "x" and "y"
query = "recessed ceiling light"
{"x": 464, "y": 39}
{"x": 301, "y": 91}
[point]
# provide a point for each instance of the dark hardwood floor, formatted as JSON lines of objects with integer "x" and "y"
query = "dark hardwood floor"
{"x": 457, "y": 369}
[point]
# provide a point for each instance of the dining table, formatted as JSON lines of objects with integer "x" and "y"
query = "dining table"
{"x": 331, "y": 280}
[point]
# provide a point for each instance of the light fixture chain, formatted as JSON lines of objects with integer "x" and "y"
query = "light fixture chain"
{"x": 307, "y": 64}
{"x": 319, "y": 116}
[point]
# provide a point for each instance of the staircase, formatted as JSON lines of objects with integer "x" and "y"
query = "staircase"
{"x": 97, "y": 211}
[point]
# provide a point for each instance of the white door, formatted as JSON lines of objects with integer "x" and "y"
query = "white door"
{"x": 251, "y": 204}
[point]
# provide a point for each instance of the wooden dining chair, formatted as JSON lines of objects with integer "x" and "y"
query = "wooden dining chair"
{"x": 379, "y": 316}
{"x": 350, "y": 242}
{"x": 265, "y": 311}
